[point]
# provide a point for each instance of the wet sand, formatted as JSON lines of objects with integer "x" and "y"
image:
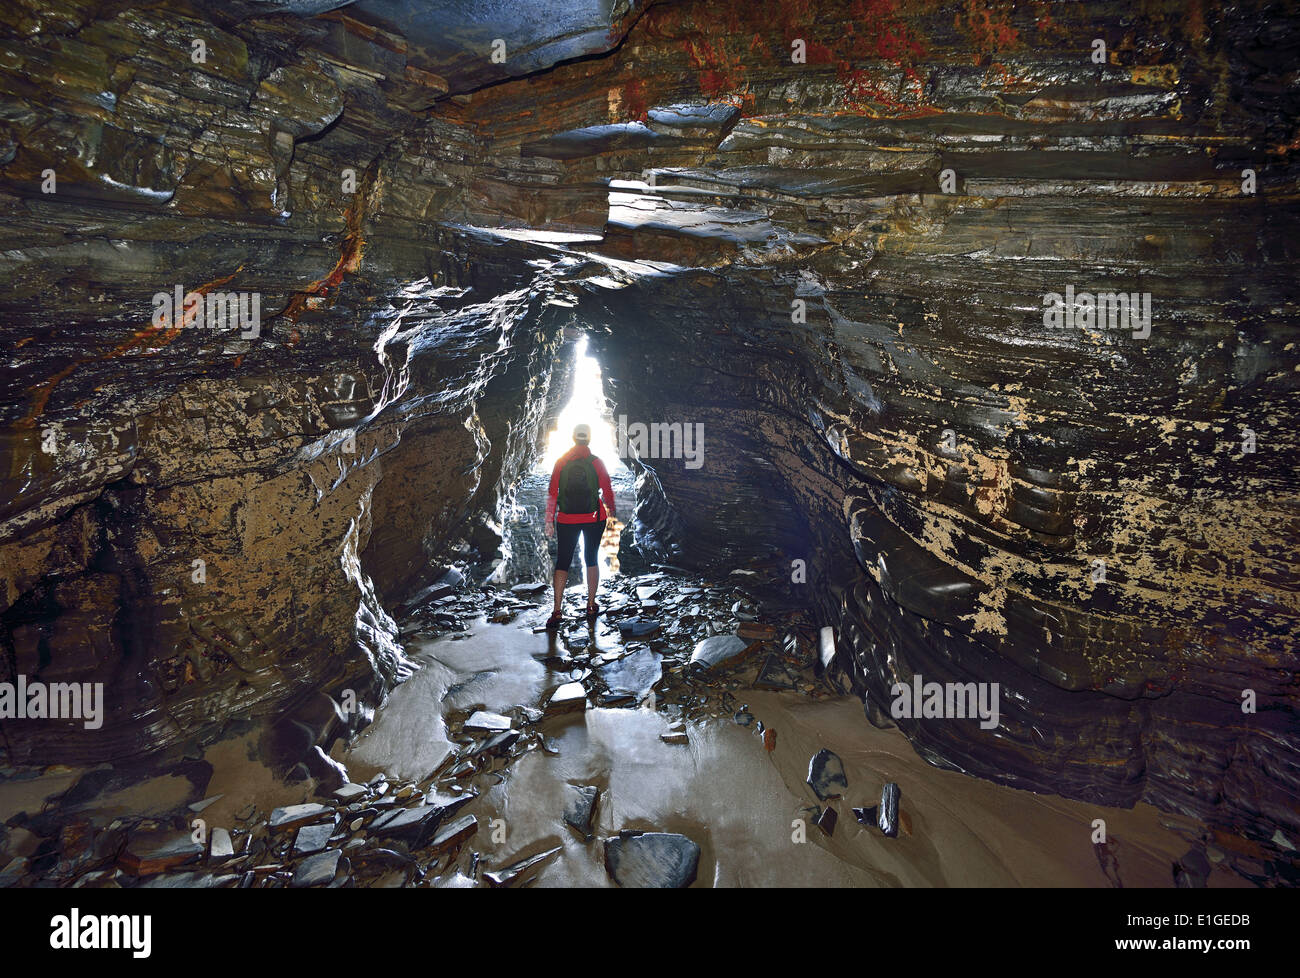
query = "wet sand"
{"x": 749, "y": 810}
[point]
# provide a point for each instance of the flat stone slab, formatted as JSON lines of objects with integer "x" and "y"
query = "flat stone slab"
{"x": 826, "y": 775}
{"x": 414, "y": 826}
{"x": 580, "y": 808}
{"x": 632, "y": 676}
{"x": 636, "y": 627}
{"x": 492, "y": 722}
{"x": 716, "y": 650}
{"x": 317, "y": 870}
{"x": 312, "y": 838}
{"x": 350, "y": 792}
{"x": 660, "y": 860}
{"x": 571, "y": 697}
{"x": 296, "y": 816}
{"x": 147, "y": 853}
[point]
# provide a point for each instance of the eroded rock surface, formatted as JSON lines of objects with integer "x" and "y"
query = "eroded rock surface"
{"x": 837, "y": 270}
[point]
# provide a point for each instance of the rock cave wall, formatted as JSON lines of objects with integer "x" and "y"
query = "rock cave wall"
{"x": 837, "y": 265}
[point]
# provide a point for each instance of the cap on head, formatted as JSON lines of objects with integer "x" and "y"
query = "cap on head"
{"x": 582, "y": 434}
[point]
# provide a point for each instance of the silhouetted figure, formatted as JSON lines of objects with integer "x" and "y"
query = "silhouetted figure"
{"x": 577, "y": 484}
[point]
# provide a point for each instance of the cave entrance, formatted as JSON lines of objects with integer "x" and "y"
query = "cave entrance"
{"x": 528, "y": 553}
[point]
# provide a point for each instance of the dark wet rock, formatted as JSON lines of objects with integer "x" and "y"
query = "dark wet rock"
{"x": 151, "y": 852}
{"x": 580, "y": 809}
{"x": 317, "y": 870}
{"x": 826, "y": 775}
{"x": 887, "y": 820}
{"x": 414, "y": 826}
{"x": 632, "y": 676}
{"x": 744, "y": 717}
{"x": 638, "y": 627}
{"x": 312, "y": 838}
{"x": 716, "y": 650}
{"x": 773, "y": 674}
{"x": 498, "y": 743}
{"x": 520, "y": 871}
{"x": 536, "y": 587}
{"x": 826, "y": 820}
{"x": 866, "y": 816}
{"x": 453, "y": 834}
{"x": 14, "y": 872}
{"x": 330, "y": 775}
{"x": 1192, "y": 871}
{"x": 191, "y": 881}
{"x": 295, "y": 816}
{"x": 652, "y": 859}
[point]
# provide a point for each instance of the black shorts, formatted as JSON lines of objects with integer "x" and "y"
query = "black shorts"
{"x": 566, "y": 538}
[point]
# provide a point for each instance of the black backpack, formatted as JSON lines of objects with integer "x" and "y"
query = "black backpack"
{"x": 579, "y": 487}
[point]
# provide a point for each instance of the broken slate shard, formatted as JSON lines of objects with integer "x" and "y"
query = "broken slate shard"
{"x": 662, "y": 860}
{"x": 633, "y": 676}
{"x": 568, "y": 698}
{"x": 865, "y": 816}
{"x": 827, "y": 819}
{"x": 888, "y": 817}
{"x": 535, "y": 587}
{"x": 295, "y": 816}
{"x": 580, "y": 808}
{"x": 318, "y": 869}
{"x": 716, "y": 650}
{"x": 636, "y": 627}
{"x": 453, "y": 834}
{"x": 312, "y": 838}
{"x": 518, "y": 870}
{"x": 155, "y": 852}
{"x": 481, "y": 720}
{"x": 826, "y": 775}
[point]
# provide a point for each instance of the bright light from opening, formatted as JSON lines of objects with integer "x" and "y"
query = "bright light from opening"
{"x": 587, "y": 405}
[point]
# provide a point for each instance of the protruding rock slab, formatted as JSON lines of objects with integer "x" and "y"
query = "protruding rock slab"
{"x": 580, "y": 808}
{"x": 717, "y": 650}
{"x": 659, "y": 860}
{"x": 887, "y": 819}
{"x": 826, "y": 775}
{"x": 156, "y": 852}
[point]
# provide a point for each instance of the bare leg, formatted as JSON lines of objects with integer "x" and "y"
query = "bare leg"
{"x": 593, "y": 578}
{"x": 561, "y": 578}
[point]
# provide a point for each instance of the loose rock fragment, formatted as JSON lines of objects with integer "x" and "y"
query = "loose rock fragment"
{"x": 826, "y": 775}
{"x": 652, "y": 859}
{"x": 580, "y": 808}
{"x": 318, "y": 869}
{"x": 519, "y": 870}
{"x": 888, "y": 817}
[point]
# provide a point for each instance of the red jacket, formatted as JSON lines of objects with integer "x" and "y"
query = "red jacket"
{"x": 607, "y": 490}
